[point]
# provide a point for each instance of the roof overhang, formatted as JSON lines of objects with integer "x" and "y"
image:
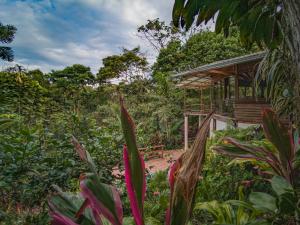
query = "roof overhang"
{"x": 204, "y": 76}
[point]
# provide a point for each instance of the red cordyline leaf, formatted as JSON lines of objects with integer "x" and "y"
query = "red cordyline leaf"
{"x": 172, "y": 172}
{"x": 136, "y": 210}
{"x": 171, "y": 176}
{"x": 184, "y": 176}
{"x": 59, "y": 219}
{"x": 280, "y": 136}
{"x": 97, "y": 217}
{"x": 134, "y": 167}
{"x": 99, "y": 208}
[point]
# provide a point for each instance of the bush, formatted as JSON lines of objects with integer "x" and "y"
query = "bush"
{"x": 35, "y": 156}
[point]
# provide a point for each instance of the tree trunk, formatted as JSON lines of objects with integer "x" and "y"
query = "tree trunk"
{"x": 291, "y": 20}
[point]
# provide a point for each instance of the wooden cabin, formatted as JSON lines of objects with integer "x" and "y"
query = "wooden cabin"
{"x": 232, "y": 95}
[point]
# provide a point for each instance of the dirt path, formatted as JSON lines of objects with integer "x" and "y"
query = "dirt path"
{"x": 157, "y": 164}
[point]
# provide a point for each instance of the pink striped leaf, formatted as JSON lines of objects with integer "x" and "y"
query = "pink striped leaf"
{"x": 171, "y": 177}
{"x": 103, "y": 199}
{"x": 69, "y": 209}
{"x": 134, "y": 167}
{"x": 136, "y": 210}
{"x": 185, "y": 176}
{"x": 60, "y": 219}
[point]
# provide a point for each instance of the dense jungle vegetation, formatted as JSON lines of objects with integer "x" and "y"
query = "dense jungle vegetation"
{"x": 41, "y": 112}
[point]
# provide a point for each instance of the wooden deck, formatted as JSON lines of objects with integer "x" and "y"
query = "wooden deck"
{"x": 249, "y": 112}
{"x": 243, "y": 112}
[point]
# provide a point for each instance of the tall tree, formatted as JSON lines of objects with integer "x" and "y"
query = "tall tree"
{"x": 157, "y": 33}
{"x": 70, "y": 83}
{"x": 7, "y": 34}
{"x": 130, "y": 65}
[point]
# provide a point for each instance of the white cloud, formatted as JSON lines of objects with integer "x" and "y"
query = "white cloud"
{"x": 48, "y": 36}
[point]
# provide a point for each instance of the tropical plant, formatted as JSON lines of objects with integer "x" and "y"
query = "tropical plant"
{"x": 262, "y": 208}
{"x": 184, "y": 176}
{"x": 281, "y": 207}
{"x": 282, "y": 156}
{"x": 96, "y": 202}
{"x": 100, "y": 202}
{"x": 256, "y": 20}
{"x": 232, "y": 212}
{"x": 275, "y": 72}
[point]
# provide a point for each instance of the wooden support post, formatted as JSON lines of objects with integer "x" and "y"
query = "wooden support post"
{"x": 214, "y": 124}
{"x": 201, "y": 101}
{"x": 200, "y": 121}
{"x": 236, "y": 91}
{"x": 253, "y": 86}
{"x": 186, "y": 132}
{"x": 201, "y": 107}
{"x": 212, "y": 96}
{"x": 221, "y": 97}
{"x": 184, "y": 100}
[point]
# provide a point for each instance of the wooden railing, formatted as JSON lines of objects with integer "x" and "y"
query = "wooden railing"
{"x": 200, "y": 108}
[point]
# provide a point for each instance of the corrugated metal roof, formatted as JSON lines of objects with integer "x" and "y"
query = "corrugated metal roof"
{"x": 222, "y": 64}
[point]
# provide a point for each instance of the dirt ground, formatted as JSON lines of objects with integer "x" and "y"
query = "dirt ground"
{"x": 157, "y": 164}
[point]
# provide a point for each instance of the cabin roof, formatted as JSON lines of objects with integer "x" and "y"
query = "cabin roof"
{"x": 205, "y": 75}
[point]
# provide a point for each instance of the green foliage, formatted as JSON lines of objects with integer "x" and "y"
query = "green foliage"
{"x": 158, "y": 34}
{"x": 257, "y": 21}
{"x": 40, "y": 112}
{"x": 130, "y": 65}
{"x": 232, "y": 212}
{"x": 277, "y": 74}
{"x": 202, "y": 48}
{"x": 282, "y": 206}
{"x": 34, "y": 156}
{"x": 7, "y": 34}
{"x": 72, "y": 77}
{"x": 158, "y": 192}
{"x": 21, "y": 95}
{"x": 280, "y": 156}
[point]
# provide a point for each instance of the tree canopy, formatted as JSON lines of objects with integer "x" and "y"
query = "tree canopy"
{"x": 202, "y": 48}
{"x": 7, "y": 34}
{"x": 129, "y": 65}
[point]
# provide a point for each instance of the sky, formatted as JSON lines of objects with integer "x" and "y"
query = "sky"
{"x": 53, "y": 34}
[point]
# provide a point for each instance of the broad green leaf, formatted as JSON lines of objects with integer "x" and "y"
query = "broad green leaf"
{"x": 280, "y": 185}
{"x": 66, "y": 205}
{"x": 177, "y": 9}
{"x": 263, "y": 201}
